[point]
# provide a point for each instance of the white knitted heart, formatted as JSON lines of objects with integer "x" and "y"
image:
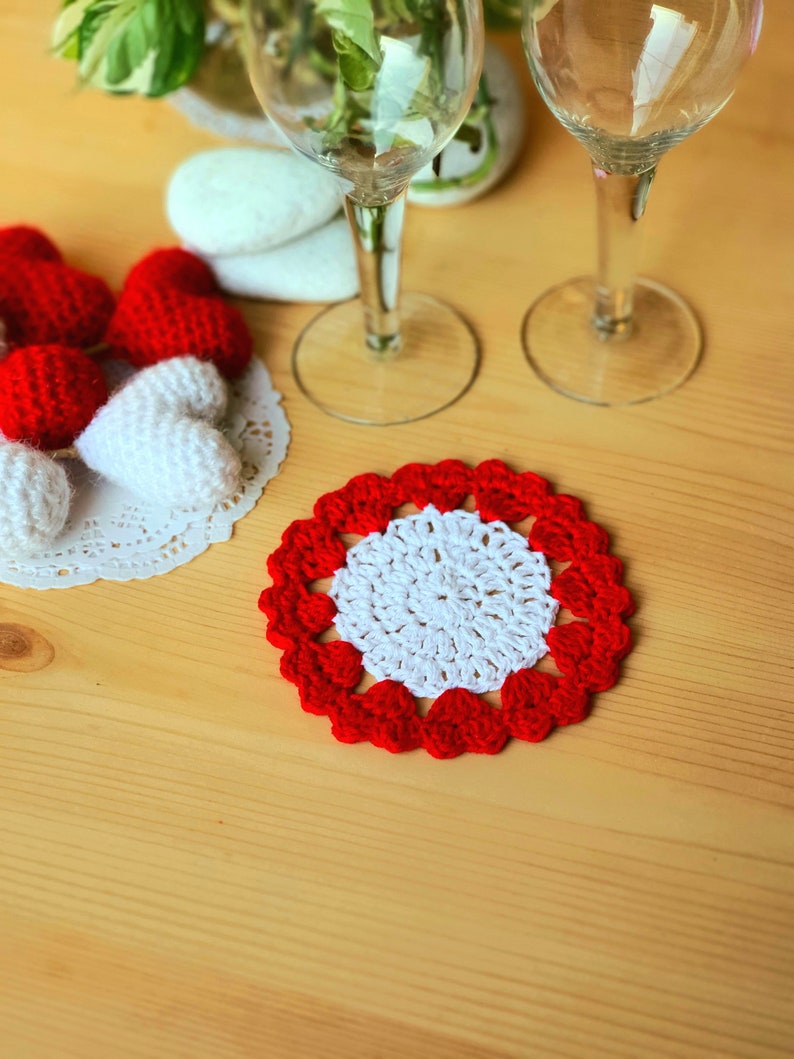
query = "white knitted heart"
{"x": 155, "y": 436}
{"x": 34, "y": 500}
{"x": 184, "y": 385}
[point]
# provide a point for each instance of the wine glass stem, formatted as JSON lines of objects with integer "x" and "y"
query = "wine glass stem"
{"x": 377, "y": 236}
{"x": 620, "y": 205}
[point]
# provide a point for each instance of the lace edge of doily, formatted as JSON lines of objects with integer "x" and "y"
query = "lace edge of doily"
{"x": 219, "y": 533}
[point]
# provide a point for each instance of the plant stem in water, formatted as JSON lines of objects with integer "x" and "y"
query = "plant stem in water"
{"x": 480, "y": 112}
{"x": 377, "y": 236}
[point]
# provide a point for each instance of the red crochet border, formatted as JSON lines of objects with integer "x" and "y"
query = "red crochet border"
{"x": 587, "y": 652}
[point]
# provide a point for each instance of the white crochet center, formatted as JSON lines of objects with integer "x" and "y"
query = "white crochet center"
{"x": 444, "y": 601}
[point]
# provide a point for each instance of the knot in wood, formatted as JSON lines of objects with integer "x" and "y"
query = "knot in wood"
{"x": 22, "y": 649}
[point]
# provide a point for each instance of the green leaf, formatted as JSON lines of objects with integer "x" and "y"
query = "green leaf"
{"x": 118, "y": 63}
{"x": 397, "y": 10}
{"x": 178, "y": 55}
{"x": 357, "y": 69}
{"x": 161, "y": 74}
{"x": 137, "y": 39}
{"x": 128, "y": 49}
{"x": 66, "y": 30}
{"x": 188, "y": 15}
{"x": 353, "y": 19}
{"x": 150, "y": 20}
{"x": 95, "y": 34}
{"x": 145, "y": 46}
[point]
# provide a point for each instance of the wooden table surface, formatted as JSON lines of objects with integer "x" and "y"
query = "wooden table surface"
{"x": 192, "y": 867}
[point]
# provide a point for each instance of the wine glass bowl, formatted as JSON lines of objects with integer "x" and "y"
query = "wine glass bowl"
{"x": 406, "y": 83}
{"x": 373, "y": 91}
{"x": 629, "y": 79}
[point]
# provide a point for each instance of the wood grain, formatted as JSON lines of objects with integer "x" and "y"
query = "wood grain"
{"x": 191, "y": 867}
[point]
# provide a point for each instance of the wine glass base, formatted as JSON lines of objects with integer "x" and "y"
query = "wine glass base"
{"x": 567, "y": 352}
{"x": 435, "y": 366}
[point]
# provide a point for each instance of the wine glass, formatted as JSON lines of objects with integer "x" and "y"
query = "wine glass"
{"x": 373, "y": 91}
{"x": 630, "y": 79}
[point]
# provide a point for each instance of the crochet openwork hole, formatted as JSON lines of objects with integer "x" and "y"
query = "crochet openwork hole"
{"x": 447, "y": 608}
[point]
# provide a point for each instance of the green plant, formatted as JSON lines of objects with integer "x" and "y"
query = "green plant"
{"x": 150, "y": 47}
{"x": 153, "y": 47}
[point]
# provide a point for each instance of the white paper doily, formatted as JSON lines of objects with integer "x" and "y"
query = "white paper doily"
{"x": 113, "y": 535}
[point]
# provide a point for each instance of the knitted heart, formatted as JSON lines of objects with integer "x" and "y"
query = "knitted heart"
{"x": 23, "y": 241}
{"x": 170, "y": 307}
{"x": 43, "y": 300}
{"x": 174, "y": 268}
{"x": 153, "y": 437}
{"x": 184, "y": 385}
{"x": 34, "y": 500}
{"x": 48, "y": 394}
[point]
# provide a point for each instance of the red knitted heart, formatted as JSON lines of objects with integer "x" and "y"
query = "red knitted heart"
{"x": 43, "y": 300}
{"x": 48, "y": 395}
{"x": 23, "y": 241}
{"x": 171, "y": 307}
{"x": 174, "y": 268}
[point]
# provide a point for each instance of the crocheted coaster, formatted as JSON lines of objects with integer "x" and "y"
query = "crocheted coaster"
{"x": 444, "y": 582}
